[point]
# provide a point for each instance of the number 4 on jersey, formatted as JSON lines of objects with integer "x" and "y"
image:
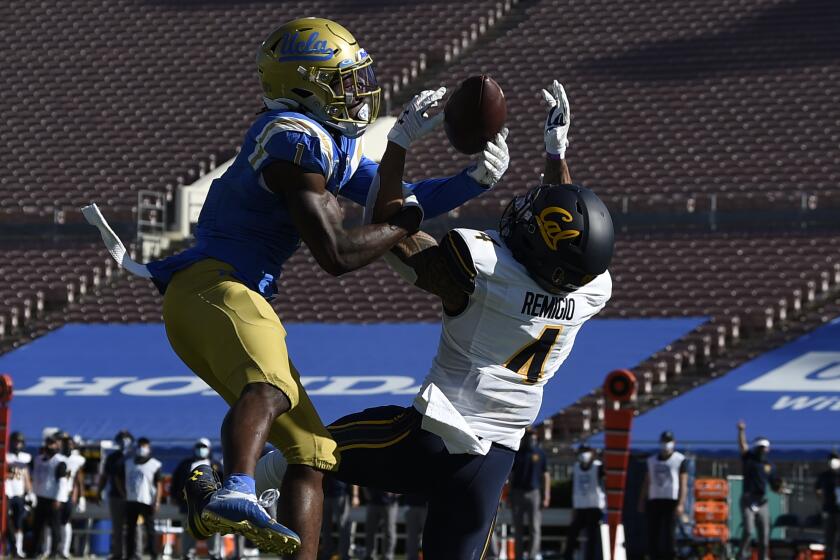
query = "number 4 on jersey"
{"x": 530, "y": 359}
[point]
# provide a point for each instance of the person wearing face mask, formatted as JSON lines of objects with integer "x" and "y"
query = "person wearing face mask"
{"x": 758, "y": 473}
{"x": 143, "y": 491}
{"x": 530, "y": 490}
{"x": 663, "y": 497}
{"x": 47, "y": 481}
{"x": 828, "y": 489}
{"x": 18, "y": 487}
{"x": 71, "y": 494}
{"x": 588, "y": 503}
{"x": 112, "y": 487}
{"x": 201, "y": 455}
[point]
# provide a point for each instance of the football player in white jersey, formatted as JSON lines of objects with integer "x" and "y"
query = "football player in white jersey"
{"x": 514, "y": 301}
{"x": 18, "y": 487}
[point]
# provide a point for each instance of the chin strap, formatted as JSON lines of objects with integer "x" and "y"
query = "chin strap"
{"x": 113, "y": 243}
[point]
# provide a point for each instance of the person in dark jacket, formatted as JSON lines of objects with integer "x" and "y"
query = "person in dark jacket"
{"x": 112, "y": 489}
{"x": 759, "y": 477}
{"x": 202, "y": 455}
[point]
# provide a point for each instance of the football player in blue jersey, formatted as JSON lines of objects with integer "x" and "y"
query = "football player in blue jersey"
{"x": 299, "y": 155}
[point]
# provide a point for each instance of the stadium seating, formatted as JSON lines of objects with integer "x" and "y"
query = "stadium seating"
{"x": 680, "y": 100}
{"x": 147, "y": 95}
{"x": 675, "y": 108}
{"x": 40, "y": 280}
{"x": 759, "y": 278}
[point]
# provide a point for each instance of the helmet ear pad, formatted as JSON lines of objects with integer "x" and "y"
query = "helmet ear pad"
{"x": 562, "y": 234}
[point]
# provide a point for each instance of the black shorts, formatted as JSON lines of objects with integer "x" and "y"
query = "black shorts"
{"x": 66, "y": 512}
{"x": 17, "y": 511}
{"x": 385, "y": 448}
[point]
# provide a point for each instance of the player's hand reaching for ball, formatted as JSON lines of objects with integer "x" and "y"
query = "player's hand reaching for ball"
{"x": 415, "y": 122}
{"x": 556, "y": 130}
{"x": 493, "y": 161}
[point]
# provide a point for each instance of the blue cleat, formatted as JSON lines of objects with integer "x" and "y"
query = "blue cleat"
{"x": 231, "y": 511}
{"x": 199, "y": 488}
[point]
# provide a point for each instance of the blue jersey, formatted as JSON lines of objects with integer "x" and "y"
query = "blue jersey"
{"x": 248, "y": 226}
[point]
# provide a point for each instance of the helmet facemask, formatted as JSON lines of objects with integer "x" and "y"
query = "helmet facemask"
{"x": 350, "y": 96}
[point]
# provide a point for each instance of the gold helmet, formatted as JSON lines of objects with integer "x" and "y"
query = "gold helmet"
{"x": 318, "y": 64}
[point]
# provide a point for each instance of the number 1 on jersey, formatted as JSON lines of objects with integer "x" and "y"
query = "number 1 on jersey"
{"x": 530, "y": 359}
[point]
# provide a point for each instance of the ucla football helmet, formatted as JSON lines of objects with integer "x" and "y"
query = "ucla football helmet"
{"x": 562, "y": 234}
{"x": 318, "y": 64}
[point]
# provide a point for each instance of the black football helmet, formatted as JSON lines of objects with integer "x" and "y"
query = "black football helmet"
{"x": 562, "y": 234}
{"x": 17, "y": 441}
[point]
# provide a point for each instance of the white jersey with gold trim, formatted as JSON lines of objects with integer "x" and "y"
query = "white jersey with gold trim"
{"x": 18, "y": 465}
{"x": 494, "y": 358}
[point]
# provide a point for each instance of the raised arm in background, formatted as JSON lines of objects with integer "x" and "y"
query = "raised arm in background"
{"x": 743, "y": 447}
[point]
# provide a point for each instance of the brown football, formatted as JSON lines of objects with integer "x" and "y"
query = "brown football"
{"x": 474, "y": 114}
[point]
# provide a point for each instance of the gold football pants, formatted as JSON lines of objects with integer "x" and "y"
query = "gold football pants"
{"x": 230, "y": 337}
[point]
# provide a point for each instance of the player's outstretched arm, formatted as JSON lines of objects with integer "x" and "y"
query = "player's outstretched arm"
{"x": 556, "y": 135}
{"x": 419, "y": 259}
{"x": 556, "y": 172}
{"x": 414, "y": 123}
{"x": 380, "y": 187}
{"x": 319, "y": 220}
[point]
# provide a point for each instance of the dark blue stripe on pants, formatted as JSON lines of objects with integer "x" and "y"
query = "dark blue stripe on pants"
{"x": 385, "y": 448}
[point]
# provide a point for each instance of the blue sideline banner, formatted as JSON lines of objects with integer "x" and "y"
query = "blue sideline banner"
{"x": 95, "y": 379}
{"x": 790, "y": 395}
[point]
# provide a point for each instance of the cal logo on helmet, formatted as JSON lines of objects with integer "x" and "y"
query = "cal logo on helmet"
{"x": 551, "y": 230}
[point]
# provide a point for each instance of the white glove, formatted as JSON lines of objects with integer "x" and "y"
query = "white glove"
{"x": 32, "y": 499}
{"x": 415, "y": 122}
{"x": 493, "y": 161}
{"x": 557, "y": 122}
{"x": 81, "y": 506}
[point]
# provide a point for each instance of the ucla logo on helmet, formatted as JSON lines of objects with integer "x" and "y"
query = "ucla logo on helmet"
{"x": 294, "y": 47}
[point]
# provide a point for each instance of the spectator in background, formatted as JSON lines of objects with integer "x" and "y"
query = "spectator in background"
{"x": 72, "y": 491}
{"x": 18, "y": 488}
{"x": 382, "y": 509}
{"x": 530, "y": 490}
{"x": 828, "y": 484}
{"x": 112, "y": 486}
{"x": 758, "y": 474}
{"x": 202, "y": 455}
{"x": 143, "y": 491}
{"x": 48, "y": 478}
{"x": 588, "y": 503}
{"x": 663, "y": 497}
{"x": 338, "y": 499}
{"x": 415, "y": 521}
